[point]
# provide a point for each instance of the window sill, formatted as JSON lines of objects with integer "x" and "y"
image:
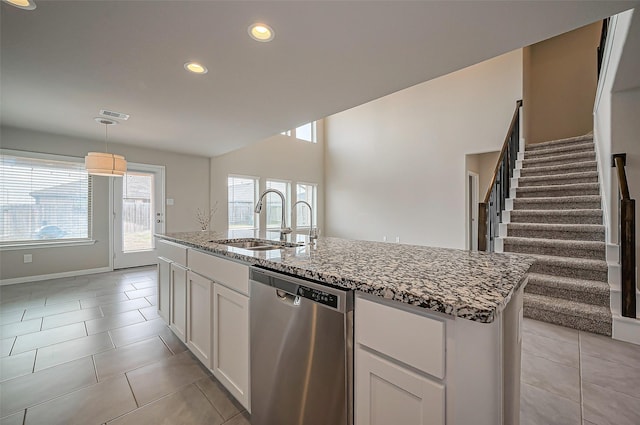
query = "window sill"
{"x": 52, "y": 244}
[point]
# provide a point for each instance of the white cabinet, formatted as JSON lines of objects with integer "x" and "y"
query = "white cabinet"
{"x": 199, "y": 290}
{"x": 178, "y": 301}
{"x": 399, "y": 366}
{"x": 231, "y": 341}
{"x": 164, "y": 284}
{"x": 388, "y": 393}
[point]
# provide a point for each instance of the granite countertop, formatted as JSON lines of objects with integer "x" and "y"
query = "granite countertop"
{"x": 471, "y": 285}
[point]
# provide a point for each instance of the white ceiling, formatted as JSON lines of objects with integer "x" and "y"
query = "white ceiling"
{"x": 65, "y": 60}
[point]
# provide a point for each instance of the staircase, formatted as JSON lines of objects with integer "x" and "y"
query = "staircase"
{"x": 555, "y": 215}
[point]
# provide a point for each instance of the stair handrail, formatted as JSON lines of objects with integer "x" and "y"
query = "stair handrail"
{"x": 490, "y": 210}
{"x": 627, "y": 239}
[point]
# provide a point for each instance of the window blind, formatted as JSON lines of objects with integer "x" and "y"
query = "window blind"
{"x": 242, "y": 200}
{"x": 43, "y": 198}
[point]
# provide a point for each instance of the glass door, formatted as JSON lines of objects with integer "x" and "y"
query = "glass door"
{"x": 138, "y": 201}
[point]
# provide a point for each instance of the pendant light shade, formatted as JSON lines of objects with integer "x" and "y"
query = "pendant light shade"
{"x": 104, "y": 163}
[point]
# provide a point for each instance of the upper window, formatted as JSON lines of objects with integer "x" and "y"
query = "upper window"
{"x": 273, "y": 204}
{"x": 242, "y": 198}
{"x": 306, "y": 192}
{"x": 43, "y": 198}
{"x": 306, "y": 132}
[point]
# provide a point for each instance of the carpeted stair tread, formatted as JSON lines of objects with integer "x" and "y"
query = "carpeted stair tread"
{"x": 559, "y": 150}
{"x": 559, "y": 159}
{"x": 559, "y": 169}
{"x": 586, "y": 317}
{"x": 561, "y": 248}
{"x": 564, "y": 231}
{"x": 581, "y": 202}
{"x": 559, "y": 142}
{"x": 584, "y": 285}
{"x": 559, "y": 179}
{"x": 577, "y": 268}
{"x": 557, "y": 216}
{"x": 574, "y": 189}
{"x": 583, "y": 263}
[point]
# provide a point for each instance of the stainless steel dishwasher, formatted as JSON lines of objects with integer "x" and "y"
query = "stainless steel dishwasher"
{"x": 301, "y": 351}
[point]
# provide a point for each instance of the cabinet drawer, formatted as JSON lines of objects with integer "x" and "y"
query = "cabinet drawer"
{"x": 407, "y": 337}
{"x": 229, "y": 273}
{"x": 172, "y": 251}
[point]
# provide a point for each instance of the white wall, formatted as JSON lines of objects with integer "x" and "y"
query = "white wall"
{"x": 187, "y": 182}
{"x": 279, "y": 158}
{"x": 396, "y": 166}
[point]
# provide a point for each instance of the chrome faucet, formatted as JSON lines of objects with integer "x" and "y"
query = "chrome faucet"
{"x": 313, "y": 232}
{"x": 284, "y": 230}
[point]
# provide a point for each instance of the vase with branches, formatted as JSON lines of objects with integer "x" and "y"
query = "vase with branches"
{"x": 204, "y": 217}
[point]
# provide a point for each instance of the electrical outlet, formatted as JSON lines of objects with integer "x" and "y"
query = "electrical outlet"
{"x": 169, "y": 201}
{"x": 28, "y": 258}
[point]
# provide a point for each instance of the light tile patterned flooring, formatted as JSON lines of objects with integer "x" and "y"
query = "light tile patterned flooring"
{"x": 92, "y": 350}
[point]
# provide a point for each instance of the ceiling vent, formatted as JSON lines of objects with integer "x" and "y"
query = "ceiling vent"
{"x": 112, "y": 114}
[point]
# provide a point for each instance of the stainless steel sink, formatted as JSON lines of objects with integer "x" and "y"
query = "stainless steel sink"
{"x": 252, "y": 244}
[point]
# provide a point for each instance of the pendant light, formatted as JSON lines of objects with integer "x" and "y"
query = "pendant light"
{"x": 105, "y": 163}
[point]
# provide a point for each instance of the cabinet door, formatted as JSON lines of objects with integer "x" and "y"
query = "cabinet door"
{"x": 178, "y": 301}
{"x": 231, "y": 341}
{"x": 164, "y": 279}
{"x": 387, "y": 393}
{"x": 199, "y": 317}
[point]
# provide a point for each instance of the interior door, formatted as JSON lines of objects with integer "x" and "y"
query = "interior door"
{"x": 138, "y": 213}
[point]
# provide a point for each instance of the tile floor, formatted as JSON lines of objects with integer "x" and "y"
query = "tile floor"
{"x": 92, "y": 350}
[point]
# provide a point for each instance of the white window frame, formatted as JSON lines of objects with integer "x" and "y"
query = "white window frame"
{"x": 314, "y": 132}
{"x": 256, "y": 193}
{"x": 314, "y": 204}
{"x": 287, "y": 198}
{"x": 51, "y": 243}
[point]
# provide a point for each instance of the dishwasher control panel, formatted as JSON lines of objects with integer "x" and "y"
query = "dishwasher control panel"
{"x": 318, "y": 296}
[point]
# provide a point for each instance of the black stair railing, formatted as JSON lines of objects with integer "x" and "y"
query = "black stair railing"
{"x": 490, "y": 210}
{"x": 603, "y": 42}
{"x": 627, "y": 209}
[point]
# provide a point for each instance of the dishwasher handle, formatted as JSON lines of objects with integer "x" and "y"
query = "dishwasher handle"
{"x": 287, "y": 298}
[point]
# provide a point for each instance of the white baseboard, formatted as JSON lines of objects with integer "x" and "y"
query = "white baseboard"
{"x": 521, "y": 156}
{"x": 502, "y": 228}
{"x": 498, "y": 245}
{"x": 506, "y": 216}
{"x": 626, "y": 329}
{"x": 508, "y": 204}
{"x": 53, "y": 276}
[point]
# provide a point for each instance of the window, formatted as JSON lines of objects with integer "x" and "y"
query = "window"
{"x": 242, "y": 198}
{"x": 43, "y": 198}
{"x": 273, "y": 204}
{"x": 306, "y": 192}
{"x": 306, "y": 132}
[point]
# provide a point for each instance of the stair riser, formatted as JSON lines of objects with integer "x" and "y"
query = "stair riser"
{"x": 556, "y": 234}
{"x": 586, "y": 274}
{"x": 520, "y": 194}
{"x": 559, "y": 219}
{"x": 570, "y": 252}
{"x": 565, "y": 150}
{"x": 569, "y": 321}
{"x": 559, "y": 160}
{"x": 558, "y": 144}
{"x": 585, "y": 205}
{"x": 558, "y": 181}
{"x": 534, "y": 171}
{"x": 601, "y": 299}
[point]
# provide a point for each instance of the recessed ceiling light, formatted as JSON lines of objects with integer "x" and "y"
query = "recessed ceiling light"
{"x": 196, "y": 68}
{"x": 22, "y": 4}
{"x": 261, "y": 32}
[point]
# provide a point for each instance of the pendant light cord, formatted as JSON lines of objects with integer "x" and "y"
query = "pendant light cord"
{"x": 106, "y": 139}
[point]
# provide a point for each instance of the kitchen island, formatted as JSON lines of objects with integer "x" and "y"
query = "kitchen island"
{"x": 437, "y": 331}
